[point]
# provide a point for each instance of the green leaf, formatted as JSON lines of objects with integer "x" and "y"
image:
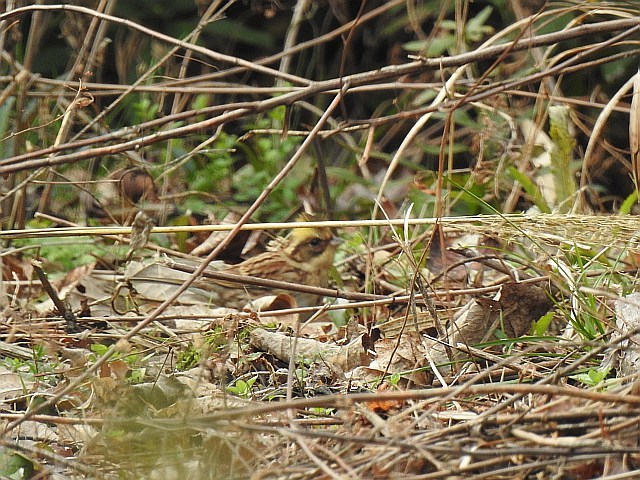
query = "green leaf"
{"x": 540, "y": 327}
{"x": 562, "y": 156}
{"x": 629, "y": 202}
{"x": 15, "y": 466}
{"x": 99, "y": 349}
{"x": 592, "y": 377}
{"x": 229, "y": 30}
{"x": 476, "y": 27}
{"x": 432, "y": 48}
{"x": 416, "y": 45}
{"x": 530, "y": 188}
{"x": 480, "y": 19}
{"x": 5, "y": 115}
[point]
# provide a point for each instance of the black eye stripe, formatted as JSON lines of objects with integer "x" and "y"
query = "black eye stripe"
{"x": 316, "y": 242}
{"x": 309, "y": 248}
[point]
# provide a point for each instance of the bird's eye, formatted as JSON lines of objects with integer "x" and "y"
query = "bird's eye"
{"x": 315, "y": 242}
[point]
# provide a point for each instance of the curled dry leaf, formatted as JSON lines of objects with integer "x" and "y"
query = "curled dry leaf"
{"x": 471, "y": 324}
{"x": 625, "y": 356}
{"x": 282, "y": 301}
{"x": 13, "y": 385}
{"x": 402, "y": 355}
{"x": 281, "y": 346}
{"x": 136, "y": 186}
{"x": 123, "y": 193}
{"x": 156, "y": 282}
{"x": 14, "y": 268}
{"x": 74, "y": 435}
{"x": 441, "y": 259}
{"x": 140, "y": 231}
{"x": 215, "y": 238}
{"x": 521, "y": 304}
{"x": 513, "y": 309}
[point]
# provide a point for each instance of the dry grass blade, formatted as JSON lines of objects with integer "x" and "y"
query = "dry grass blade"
{"x": 634, "y": 129}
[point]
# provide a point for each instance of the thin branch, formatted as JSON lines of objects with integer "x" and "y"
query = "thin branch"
{"x": 239, "y": 110}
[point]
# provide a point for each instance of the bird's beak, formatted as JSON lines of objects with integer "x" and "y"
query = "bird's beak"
{"x": 335, "y": 241}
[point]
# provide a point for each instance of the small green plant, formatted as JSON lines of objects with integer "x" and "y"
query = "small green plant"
{"x": 132, "y": 358}
{"x": 265, "y": 155}
{"x": 188, "y": 358}
{"x": 211, "y": 172}
{"x": 540, "y": 326}
{"x": 216, "y": 339}
{"x": 242, "y": 388}
{"x": 15, "y": 466}
{"x": 63, "y": 255}
{"x": 39, "y": 365}
{"x": 531, "y": 189}
{"x": 136, "y": 375}
{"x": 592, "y": 378}
{"x": 321, "y": 411}
{"x": 394, "y": 379}
{"x": 449, "y": 39}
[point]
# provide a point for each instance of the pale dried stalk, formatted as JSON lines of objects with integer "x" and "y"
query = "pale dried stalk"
{"x": 634, "y": 129}
{"x": 602, "y": 230}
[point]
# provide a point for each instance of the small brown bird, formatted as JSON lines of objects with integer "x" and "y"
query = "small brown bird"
{"x": 304, "y": 257}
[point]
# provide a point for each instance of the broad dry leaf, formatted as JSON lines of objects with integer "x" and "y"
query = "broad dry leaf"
{"x": 36, "y": 432}
{"x": 513, "y": 309}
{"x": 472, "y": 323}
{"x": 402, "y": 355}
{"x": 441, "y": 259}
{"x": 157, "y": 282}
{"x": 13, "y": 385}
{"x": 521, "y": 304}
{"x": 74, "y": 435}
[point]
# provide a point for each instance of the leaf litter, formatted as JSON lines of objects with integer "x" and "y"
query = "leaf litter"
{"x": 469, "y": 391}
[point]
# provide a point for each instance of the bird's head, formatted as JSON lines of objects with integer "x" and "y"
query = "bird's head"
{"x": 312, "y": 246}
